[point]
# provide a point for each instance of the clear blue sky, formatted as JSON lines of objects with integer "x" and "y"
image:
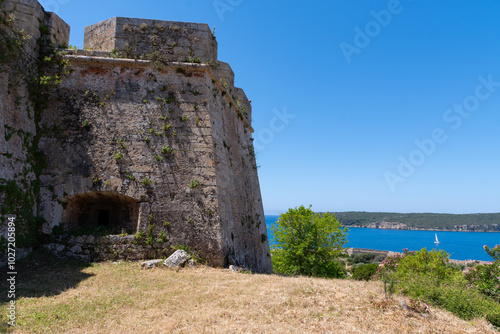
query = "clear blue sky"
{"x": 363, "y": 80}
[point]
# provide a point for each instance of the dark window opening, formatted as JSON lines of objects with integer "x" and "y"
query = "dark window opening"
{"x": 100, "y": 213}
{"x": 103, "y": 218}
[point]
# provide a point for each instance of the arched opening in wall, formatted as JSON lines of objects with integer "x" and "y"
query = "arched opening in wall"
{"x": 100, "y": 212}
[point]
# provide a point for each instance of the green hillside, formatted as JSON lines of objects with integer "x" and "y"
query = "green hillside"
{"x": 476, "y": 221}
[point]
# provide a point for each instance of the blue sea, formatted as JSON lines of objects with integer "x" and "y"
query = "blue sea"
{"x": 460, "y": 245}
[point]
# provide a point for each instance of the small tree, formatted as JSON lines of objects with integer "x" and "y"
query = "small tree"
{"x": 427, "y": 263}
{"x": 308, "y": 243}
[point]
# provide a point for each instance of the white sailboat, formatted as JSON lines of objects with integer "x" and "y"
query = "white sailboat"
{"x": 437, "y": 240}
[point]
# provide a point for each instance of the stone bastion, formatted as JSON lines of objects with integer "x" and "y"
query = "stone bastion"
{"x": 136, "y": 145}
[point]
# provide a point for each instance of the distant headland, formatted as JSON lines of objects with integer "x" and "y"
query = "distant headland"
{"x": 476, "y": 222}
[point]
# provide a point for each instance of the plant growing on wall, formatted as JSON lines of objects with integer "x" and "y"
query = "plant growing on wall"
{"x": 162, "y": 237}
{"x": 167, "y": 150}
{"x": 193, "y": 184}
{"x": 146, "y": 182}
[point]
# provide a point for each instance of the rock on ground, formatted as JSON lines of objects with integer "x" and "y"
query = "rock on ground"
{"x": 150, "y": 264}
{"x": 178, "y": 259}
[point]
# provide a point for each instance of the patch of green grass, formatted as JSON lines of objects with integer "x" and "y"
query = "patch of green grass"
{"x": 465, "y": 303}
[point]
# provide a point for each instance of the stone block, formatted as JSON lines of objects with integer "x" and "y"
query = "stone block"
{"x": 76, "y": 249}
{"x": 177, "y": 259}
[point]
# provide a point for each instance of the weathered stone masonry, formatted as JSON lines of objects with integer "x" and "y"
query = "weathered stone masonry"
{"x": 145, "y": 134}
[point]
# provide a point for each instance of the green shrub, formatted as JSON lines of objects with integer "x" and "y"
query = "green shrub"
{"x": 455, "y": 266}
{"x": 423, "y": 262}
{"x": 379, "y": 258}
{"x": 360, "y": 258}
{"x": 389, "y": 265}
{"x": 485, "y": 278}
{"x": 365, "y": 258}
{"x": 339, "y": 270}
{"x": 465, "y": 303}
{"x": 365, "y": 272}
{"x": 494, "y": 318}
{"x": 308, "y": 244}
{"x": 427, "y": 276}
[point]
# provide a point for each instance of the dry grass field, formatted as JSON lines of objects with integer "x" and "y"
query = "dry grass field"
{"x": 69, "y": 297}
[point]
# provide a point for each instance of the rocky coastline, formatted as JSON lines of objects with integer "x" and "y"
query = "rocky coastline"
{"x": 384, "y": 225}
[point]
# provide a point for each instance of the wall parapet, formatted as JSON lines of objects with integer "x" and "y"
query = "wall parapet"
{"x": 100, "y": 59}
{"x": 144, "y": 38}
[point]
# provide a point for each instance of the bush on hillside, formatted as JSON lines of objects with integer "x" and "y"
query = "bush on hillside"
{"x": 307, "y": 243}
{"x": 389, "y": 265}
{"x": 465, "y": 303}
{"x": 427, "y": 263}
{"x": 486, "y": 278}
{"x": 455, "y": 266}
{"x": 494, "y": 318}
{"x": 360, "y": 258}
{"x": 365, "y": 258}
{"x": 365, "y": 272}
{"x": 426, "y": 275}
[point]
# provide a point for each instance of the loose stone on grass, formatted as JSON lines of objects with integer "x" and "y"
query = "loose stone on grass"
{"x": 178, "y": 259}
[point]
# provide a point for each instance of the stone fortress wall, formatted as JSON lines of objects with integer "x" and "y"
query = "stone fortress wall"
{"x": 144, "y": 134}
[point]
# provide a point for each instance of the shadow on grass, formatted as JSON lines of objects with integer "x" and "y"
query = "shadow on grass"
{"x": 43, "y": 274}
